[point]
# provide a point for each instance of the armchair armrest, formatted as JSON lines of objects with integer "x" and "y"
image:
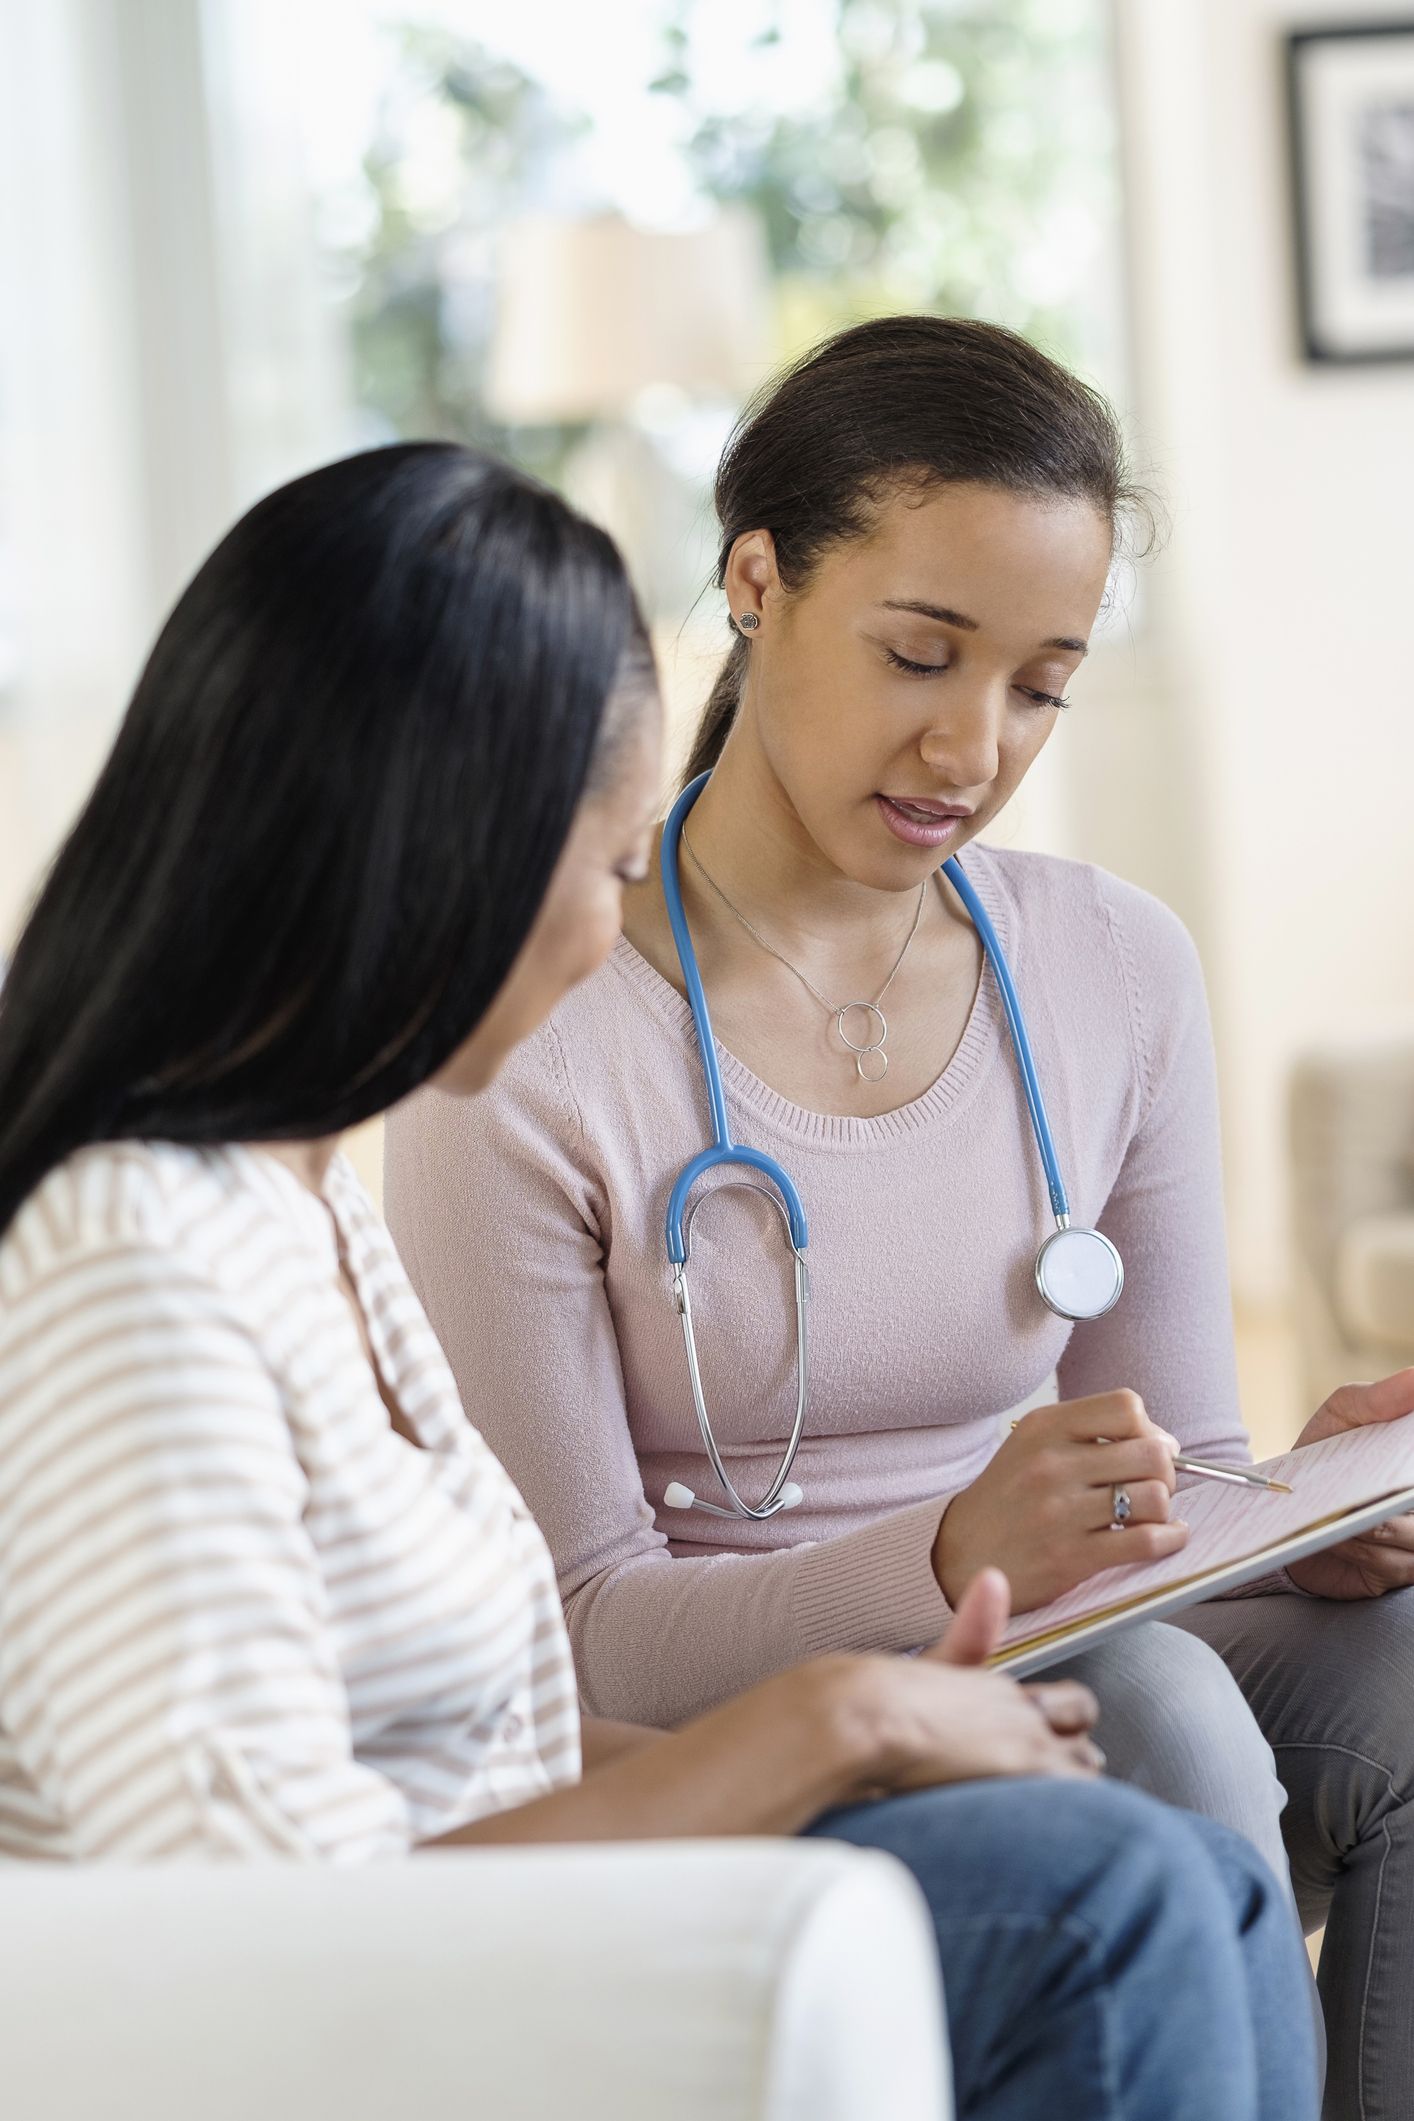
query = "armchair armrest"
{"x": 1351, "y": 1135}
{"x": 745, "y": 1981}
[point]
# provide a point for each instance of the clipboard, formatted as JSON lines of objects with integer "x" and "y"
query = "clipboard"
{"x": 1383, "y": 1455}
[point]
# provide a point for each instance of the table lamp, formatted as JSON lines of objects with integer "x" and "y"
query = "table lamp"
{"x": 602, "y": 322}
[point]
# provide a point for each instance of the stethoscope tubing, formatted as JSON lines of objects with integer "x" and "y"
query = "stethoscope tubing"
{"x": 1020, "y": 1038}
{"x": 670, "y": 859}
{"x": 723, "y": 1151}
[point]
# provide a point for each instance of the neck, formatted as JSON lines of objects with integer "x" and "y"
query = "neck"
{"x": 751, "y": 841}
{"x": 309, "y": 1161}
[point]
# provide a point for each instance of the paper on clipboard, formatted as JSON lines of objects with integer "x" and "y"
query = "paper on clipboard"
{"x": 1339, "y": 1487}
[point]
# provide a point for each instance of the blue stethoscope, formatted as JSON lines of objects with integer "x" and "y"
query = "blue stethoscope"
{"x": 1079, "y": 1273}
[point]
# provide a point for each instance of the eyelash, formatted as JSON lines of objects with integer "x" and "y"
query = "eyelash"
{"x": 932, "y": 670}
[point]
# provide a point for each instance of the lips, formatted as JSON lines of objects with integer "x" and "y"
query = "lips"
{"x": 920, "y": 821}
{"x": 927, "y": 807}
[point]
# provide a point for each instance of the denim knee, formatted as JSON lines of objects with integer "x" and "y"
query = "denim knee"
{"x": 1131, "y": 1858}
{"x": 1096, "y": 1947}
{"x": 1099, "y": 1854}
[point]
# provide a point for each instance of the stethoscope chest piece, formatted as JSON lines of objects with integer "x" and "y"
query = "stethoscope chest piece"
{"x": 1079, "y": 1273}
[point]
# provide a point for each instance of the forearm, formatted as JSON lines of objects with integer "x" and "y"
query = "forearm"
{"x": 603, "y": 1740}
{"x": 660, "y": 1638}
{"x": 766, "y": 1763}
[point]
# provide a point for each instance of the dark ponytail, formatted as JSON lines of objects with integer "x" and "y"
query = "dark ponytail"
{"x": 903, "y": 401}
{"x": 719, "y": 713}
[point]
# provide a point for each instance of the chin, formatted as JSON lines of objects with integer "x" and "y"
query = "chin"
{"x": 879, "y": 863}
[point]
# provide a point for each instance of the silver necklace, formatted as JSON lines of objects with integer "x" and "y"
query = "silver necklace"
{"x": 871, "y": 1049}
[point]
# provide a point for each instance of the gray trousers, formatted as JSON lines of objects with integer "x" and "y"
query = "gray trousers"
{"x": 1292, "y": 1719}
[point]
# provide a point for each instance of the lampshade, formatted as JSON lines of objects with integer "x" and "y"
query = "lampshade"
{"x": 591, "y": 313}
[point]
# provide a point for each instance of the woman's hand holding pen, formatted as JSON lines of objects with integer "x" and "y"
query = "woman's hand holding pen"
{"x": 1043, "y": 1510}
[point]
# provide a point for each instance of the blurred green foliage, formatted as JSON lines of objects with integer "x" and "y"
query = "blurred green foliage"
{"x": 965, "y": 163}
{"x": 968, "y": 147}
{"x": 423, "y": 277}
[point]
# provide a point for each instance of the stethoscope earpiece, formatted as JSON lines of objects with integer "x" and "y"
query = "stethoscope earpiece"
{"x": 678, "y": 1496}
{"x": 1079, "y": 1273}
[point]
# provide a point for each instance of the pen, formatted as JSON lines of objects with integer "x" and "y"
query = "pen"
{"x": 1244, "y": 1476}
{"x": 1204, "y": 1469}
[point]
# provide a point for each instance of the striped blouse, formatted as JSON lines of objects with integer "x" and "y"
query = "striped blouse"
{"x": 240, "y": 1615}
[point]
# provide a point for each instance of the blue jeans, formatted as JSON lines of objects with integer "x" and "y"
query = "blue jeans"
{"x": 1104, "y": 1957}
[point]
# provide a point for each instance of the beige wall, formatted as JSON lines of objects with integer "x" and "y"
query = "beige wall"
{"x": 1275, "y": 802}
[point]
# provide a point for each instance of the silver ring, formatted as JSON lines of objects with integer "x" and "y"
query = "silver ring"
{"x": 1121, "y": 1508}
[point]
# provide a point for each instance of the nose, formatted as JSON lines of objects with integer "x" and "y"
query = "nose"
{"x": 964, "y": 748}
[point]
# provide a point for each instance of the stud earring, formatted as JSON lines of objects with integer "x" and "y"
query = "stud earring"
{"x": 748, "y": 622}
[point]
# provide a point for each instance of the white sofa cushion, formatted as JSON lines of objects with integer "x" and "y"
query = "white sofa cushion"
{"x": 741, "y": 1981}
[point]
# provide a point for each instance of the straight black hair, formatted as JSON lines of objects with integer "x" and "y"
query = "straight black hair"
{"x": 328, "y": 819}
{"x": 902, "y": 402}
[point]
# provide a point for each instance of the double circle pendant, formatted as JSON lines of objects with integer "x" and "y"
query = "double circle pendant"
{"x": 871, "y": 1063}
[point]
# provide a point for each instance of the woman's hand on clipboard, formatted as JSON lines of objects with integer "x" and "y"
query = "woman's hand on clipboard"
{"x": 1379, "y": 1560}
{"x": 1043, "y": 1510}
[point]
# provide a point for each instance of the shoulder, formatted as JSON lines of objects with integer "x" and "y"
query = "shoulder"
{"x": 532, "y": 1097}
{"x": 113, "y": 1265}
{"x": 1103, "y": 953}
{"x": 1061, "y": 908}
{"x": 617, "y": 1027}
{"x": 112, "y": 1197}
{"x": 120, "y": 1330}
{"x": 195, "y": 1219}
{"x": 626, "y": 1008}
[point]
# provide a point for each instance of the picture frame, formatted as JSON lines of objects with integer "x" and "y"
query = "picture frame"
{"x": 1350, "y": 91}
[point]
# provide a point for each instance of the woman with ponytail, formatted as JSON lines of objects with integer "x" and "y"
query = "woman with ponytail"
{"x": 917, "y": 526}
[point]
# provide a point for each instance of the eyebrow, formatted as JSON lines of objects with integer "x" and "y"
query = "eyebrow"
{"x": 959, "y": 619}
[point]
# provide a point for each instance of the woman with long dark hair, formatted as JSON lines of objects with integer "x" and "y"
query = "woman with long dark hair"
{"x": 263, "y": 1590}
{"x": 917, "y": 525}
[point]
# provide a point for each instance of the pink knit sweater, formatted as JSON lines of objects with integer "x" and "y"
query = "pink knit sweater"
{"x": 531, "y": 1224}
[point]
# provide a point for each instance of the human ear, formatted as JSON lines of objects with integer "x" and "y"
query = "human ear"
{"x": 751, "y": 574}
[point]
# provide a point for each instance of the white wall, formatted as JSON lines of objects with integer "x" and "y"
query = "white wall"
{"x": 166, "y": 353}
{"x": 1269, "y": 783}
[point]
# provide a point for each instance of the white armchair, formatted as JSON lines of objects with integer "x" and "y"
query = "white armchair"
{"x": 1352, "y": 1162}
{"x": 741, "y": 1981}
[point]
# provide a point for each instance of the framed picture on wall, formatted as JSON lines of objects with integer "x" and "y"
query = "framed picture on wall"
{"x": 1351, "y": 94}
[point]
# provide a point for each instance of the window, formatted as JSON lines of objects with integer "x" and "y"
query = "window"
{"x": 887, "y": 153}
